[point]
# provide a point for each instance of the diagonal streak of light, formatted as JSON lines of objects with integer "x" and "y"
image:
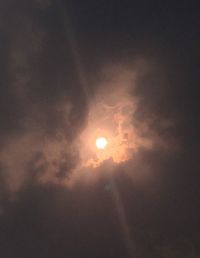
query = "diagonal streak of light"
{"x": 82, "y": 79}
{"x": 125, "y": 230}
{"x": 75, "y": 50}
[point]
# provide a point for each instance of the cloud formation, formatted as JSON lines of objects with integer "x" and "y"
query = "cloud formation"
{"x": 104, "y": 69}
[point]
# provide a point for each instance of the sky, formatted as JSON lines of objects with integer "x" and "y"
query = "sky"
{"x": 73, "y": 71}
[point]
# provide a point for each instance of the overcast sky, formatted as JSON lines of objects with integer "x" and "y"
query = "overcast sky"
{"x": 66, "y": 68}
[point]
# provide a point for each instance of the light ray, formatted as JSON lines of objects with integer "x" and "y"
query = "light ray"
{"x": 75, "y": 50}
{"x": 128, "y": 240}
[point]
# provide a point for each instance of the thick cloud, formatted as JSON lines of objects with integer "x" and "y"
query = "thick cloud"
{"x": 57, "y": 59}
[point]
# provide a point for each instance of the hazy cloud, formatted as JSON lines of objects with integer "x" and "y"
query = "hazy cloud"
{"x": 125, "y": 68}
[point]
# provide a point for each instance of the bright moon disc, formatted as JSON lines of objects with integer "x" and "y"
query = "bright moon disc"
{"x": 101, "y": 143}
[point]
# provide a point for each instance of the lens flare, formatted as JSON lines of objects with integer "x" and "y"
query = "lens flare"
{"x": 101, "y": 143}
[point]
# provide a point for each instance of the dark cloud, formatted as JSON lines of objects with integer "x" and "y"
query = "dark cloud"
{"x": 51, "y": 70}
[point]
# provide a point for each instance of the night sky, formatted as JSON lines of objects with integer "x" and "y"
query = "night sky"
{"x": 59, "y": 60}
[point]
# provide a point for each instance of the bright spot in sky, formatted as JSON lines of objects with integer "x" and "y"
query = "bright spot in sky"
{"x": 101, "y": 143}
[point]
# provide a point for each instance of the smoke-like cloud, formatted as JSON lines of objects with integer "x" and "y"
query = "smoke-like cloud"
{"x": 57, "y": 139}
{"x": 56, "y": 98}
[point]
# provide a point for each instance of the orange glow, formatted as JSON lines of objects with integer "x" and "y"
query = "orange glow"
{"x": 111, "y": 136}
{"x": 110, "y": 123}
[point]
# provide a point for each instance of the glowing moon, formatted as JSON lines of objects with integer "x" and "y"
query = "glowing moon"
{"x": 101, "y": 143}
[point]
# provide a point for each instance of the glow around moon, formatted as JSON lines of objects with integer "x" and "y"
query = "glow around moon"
{"x": 110, "y": 133}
